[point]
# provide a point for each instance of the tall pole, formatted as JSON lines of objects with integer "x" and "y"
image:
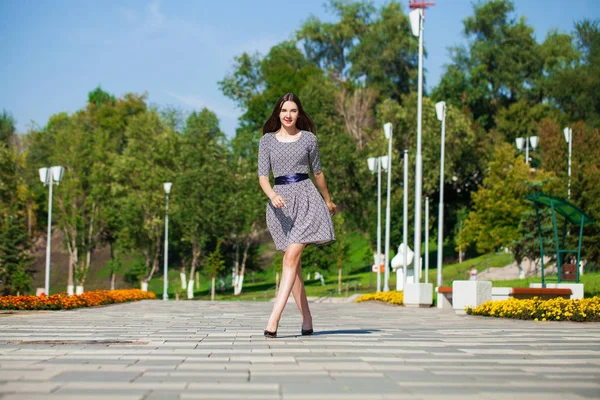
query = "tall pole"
{"x": 378, "y": 224}
{"x": 441, "y": 206}
{"x": 386, "y": 285}
{"x": 419, "y": 160}
{"x": 166, "y": 277}
{"x": 570, "y": 139}
{"x": 527, "y": 150}
{"x": 48, "y": 244}
{"x": 405, "y": 219}
{"x": 426, "y": 239}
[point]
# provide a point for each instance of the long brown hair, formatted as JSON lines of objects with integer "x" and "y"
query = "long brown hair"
{"x": 304, "y": 121}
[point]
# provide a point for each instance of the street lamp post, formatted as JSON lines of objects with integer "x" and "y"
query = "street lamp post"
{"x": 405, "y": 220}
{"x": 48, "y": 176}
{"x": 440, "y": 110}
{"x": 426, "y": 239}
{"x": 525, "y": 141}
{"x": 375, "y": 164}
{"x": 416, "y": 21}
{"x": 387, "y": 130}
{"x": 167, "y": 187}
{"x": 569, "y": 138}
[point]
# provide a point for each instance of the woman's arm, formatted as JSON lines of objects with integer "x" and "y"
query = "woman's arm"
{"x": 322, "y": 186}
{"x": 265, "y": 185}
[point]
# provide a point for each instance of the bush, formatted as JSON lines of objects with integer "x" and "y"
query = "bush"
{"x": 559, "y": 309}
{"x": 63, "y": 301}
{"x": 391, "y": 297}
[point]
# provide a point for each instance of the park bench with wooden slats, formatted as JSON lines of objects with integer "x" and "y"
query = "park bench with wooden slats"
{"x": 543, "y": 293}
{"x": 518, "y": 293}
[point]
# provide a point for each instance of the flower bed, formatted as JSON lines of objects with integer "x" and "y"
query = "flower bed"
{"x": 391, "y": 297}
{"x": 63, "y": 301}
{"x": 557, "y": 309}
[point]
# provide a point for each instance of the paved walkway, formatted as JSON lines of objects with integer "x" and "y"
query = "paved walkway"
{"x": 201, "y": 350}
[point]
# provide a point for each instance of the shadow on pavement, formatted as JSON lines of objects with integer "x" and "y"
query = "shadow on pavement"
{"x": 346, "y": 332}
{"x": 336, "y": 332}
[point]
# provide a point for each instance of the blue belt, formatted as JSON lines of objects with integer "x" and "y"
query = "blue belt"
{"x": 292, "y": 178}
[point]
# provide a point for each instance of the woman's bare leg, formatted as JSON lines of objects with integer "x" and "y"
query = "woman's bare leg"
{"x": 299, "y": 293}
{"x": 291, "y": 260}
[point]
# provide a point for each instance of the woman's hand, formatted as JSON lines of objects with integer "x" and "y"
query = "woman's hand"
{"x": 332, "y": 207}
{"x": 277, "y": 201}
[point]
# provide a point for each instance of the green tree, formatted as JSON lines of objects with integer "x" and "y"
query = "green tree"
{"x": 328, "y": 44}
{"x": 146, "y": 163}
{"x": 213, "y": 265}
{"x": 499, "y": 66}
{"x": 8, "y": 179}
{"x": 585, "y": 175}
{"x": 7, "y": 128}
{"x": 15, "y": 259}
{"x": 99, "y": 97}
{"x": 203, "y": 195}
{"x": 386, "y": 54}
{"x": 499, "y": 203}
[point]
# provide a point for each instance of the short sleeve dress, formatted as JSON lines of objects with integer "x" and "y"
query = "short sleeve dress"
{"x": 305, "y": 217}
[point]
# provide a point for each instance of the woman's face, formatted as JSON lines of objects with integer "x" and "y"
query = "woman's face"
{"x": 288, "y": 114}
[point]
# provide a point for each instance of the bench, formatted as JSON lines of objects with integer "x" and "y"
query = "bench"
{"x": 502, "y": 293}
{"x": 444, "y": 298}
{"x": 543, "y": 293}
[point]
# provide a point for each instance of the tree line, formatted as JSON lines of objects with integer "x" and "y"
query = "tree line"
{"x": 353, "y": 75}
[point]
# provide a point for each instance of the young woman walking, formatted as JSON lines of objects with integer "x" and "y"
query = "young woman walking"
{"x": 297, "y": 215}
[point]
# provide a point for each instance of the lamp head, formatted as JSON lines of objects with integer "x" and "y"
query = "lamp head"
{"x": 520, "y": 142}
{"x": 534, "y": 141}
{"x": 440, "y": 110}
{"x": 44, "y": 175}
{"x": 167, "y": 187}
{"x": 416, "y": 18}
{"x": 371, "y": 162}
{"x": 568, "y": 132}
{"x": 384, "y": 162}
{"x": 57, "y": 173}
{"x": 387, "y": 130}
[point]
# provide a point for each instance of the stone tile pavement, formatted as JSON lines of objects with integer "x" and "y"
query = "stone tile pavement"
{"x": 200, "y": 350}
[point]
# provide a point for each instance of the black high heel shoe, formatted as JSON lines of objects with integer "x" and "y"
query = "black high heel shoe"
{"x": 270, "y": 334}
{"x": 306, "y": 332}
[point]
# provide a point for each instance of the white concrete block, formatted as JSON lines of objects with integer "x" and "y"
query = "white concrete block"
{"x": 576, "y": 288}
{"x": 470, "y": 293}
{"x": 501, "y": 293}
{"x": 418, "y": 295}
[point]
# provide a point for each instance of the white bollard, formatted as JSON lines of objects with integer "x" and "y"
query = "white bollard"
{"x": 470, "y": 294}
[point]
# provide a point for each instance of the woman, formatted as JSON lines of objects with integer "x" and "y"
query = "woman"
{"x": 296, "y": 214}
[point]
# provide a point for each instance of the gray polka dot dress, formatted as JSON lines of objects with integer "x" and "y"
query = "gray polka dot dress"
{"x": 305, "y": 217}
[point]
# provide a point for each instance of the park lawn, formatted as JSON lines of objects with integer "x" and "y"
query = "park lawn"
{"x": 457, "y": 272}
{"x": 591, "y": 281}
{"x": 265, "y": 291}
{"x": 358, "y": 281}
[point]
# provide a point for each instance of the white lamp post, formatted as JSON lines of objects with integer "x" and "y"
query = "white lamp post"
{"x": 569, "y": 138}
{"x": 167, "y": 187}
{"x": 416, "y": 23}
{"x": 440, "y": 111}
{"x": 375, "y": 164}
{"x": 525, "y": 141}
{"x": 405, "y": 220}
{"x": 48, "y": 176}
{"x": 387, "y": 129}
{"x": 426, "y": 239}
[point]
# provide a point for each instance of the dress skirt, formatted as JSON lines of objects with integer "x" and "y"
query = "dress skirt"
{"x": 304, "y": 219}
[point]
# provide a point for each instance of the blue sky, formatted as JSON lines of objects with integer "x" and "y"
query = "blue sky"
{"x": 55, "y": 52}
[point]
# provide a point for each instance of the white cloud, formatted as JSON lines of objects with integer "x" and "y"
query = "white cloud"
{"x": 156, "y": 17}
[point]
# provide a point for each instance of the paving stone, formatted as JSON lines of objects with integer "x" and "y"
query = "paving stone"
{"x": 202, "y": 350}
